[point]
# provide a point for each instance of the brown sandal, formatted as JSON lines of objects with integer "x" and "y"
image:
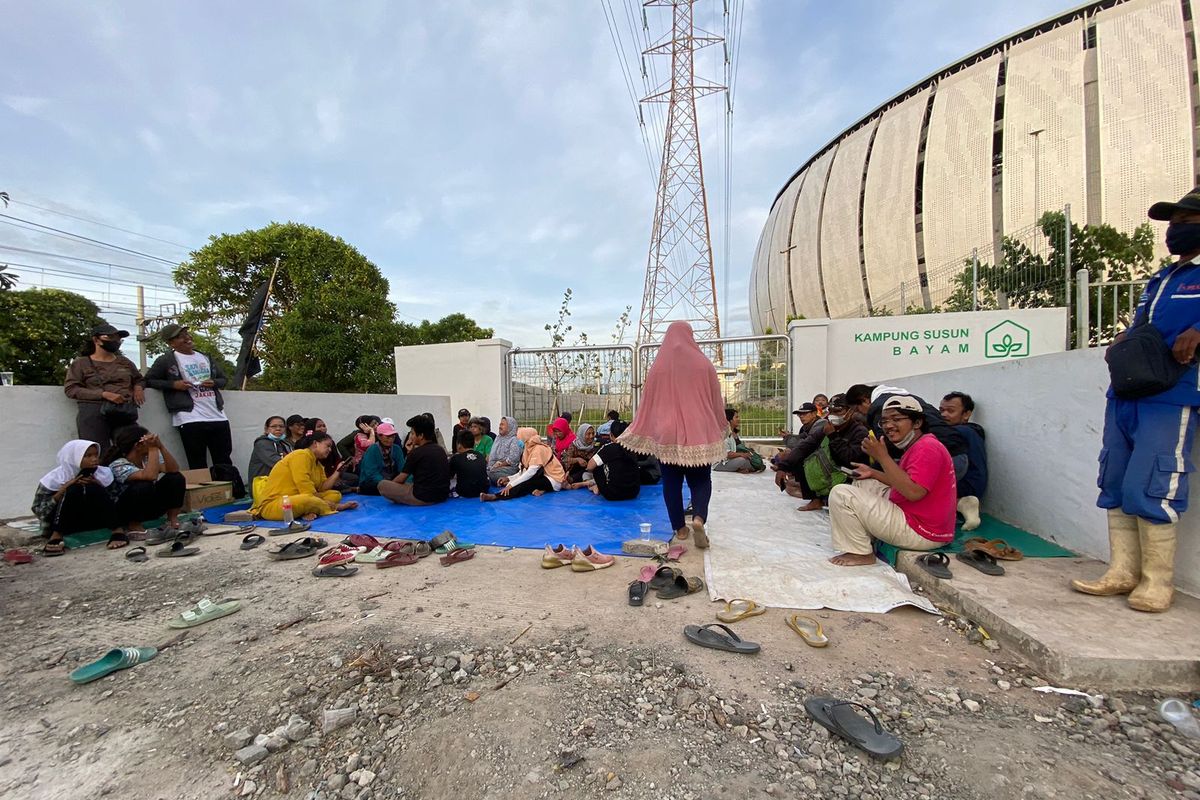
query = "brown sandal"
{"x": 996, "y": 548}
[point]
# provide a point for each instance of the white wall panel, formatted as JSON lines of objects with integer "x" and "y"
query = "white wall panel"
{"x": 956, "y": 192}
{"x": 840, "y": 265}
{"x": 1044, "y": 91}
{"x": 889, "y": 218}
{"x": 778, "y": 257}
{"x": 760, "y": 288}
{"x": 1145, "y": 109}
{"x": 756, "y": 268}
{"x": 806, "y": 278}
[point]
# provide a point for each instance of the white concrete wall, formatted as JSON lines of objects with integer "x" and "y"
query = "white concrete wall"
{"x": 470, "y": 373}
{"x": 1044, "y": 417}
{"x": 831, "y": 355}
{"x": 38, "y": 419}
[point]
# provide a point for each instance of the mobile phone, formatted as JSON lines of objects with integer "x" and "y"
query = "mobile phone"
{"x": 847, "y": 470}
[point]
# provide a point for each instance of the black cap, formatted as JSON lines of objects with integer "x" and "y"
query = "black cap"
{"x": 1164, "y": 210}
{"x": 838, "y": 401}
{"x": 806, "y": 408}
{"x": 169, "y": 332}
{"x": 462, "y": 412}
{"x": 108, "y": 330}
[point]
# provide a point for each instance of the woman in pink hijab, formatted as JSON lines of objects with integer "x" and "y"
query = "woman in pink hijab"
{"x": 681, "y": 422}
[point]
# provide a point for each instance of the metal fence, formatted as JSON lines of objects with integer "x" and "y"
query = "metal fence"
{"x": 1103, "y": 309}
{"x": 587, "y": 381}
{"x": 754, "y": 371}
{"x": 1029, "y": 268}
{"x": 755, "y": 376}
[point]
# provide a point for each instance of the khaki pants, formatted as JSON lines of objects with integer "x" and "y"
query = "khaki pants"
{"x": 861, "y": 511}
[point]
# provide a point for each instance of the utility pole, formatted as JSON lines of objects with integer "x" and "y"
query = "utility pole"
{"x": 680, "y": 282}
{"x": 141, "y": 327}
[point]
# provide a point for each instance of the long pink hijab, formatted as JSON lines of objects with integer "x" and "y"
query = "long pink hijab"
{"x": 681, "y": 417}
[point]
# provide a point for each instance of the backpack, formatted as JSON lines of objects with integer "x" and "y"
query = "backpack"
{"x": 821, "y": 473}
{"x": 756, "y": 461}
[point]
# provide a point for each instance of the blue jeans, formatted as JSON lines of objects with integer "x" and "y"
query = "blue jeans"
{"x": 1146, "y": 458}
{"x": 699, "y": 481}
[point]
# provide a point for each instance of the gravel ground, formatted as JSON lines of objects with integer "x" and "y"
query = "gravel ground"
{"x": 495, "y": 679}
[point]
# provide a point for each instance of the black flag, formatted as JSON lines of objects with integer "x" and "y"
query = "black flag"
{"x": 248, "y": 364}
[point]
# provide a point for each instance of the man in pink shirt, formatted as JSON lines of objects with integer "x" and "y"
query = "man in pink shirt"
{"x": 910, "y": 504}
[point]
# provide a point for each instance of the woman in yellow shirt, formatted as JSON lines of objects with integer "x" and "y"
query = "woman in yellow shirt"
{"x": 300, "y": 476}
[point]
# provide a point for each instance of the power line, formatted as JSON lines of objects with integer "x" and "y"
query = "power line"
{"x": 29, "y": 251}
{"x": 88, "y": 239}
{"x": 101, "y": 224}
{"x": 105, "y": 278}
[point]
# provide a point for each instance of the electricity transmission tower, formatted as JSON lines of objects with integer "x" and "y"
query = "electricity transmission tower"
{"x": 680, "y": 283}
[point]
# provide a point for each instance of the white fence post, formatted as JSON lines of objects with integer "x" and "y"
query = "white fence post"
{"x": 1082, "y": 313}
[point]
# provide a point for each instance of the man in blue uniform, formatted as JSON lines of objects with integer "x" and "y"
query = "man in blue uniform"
{"x": 1146, "y": 454}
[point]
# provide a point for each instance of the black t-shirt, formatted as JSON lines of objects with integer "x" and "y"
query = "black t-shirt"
{"x": 617, "y": 473}
{"x": 431, "y": 473}
{"x": 471, "y": 470}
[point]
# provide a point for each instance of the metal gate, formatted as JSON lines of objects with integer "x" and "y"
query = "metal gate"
{"x": 541, "y": 383}
{"x": 587, "y": 381}
{"x": 756, "y": 378}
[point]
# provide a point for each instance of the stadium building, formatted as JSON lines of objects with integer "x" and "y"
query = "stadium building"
{"x": 1095, "y": 108}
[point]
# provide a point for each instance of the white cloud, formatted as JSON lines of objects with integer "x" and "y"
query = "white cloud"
{"x": 29, "y": 106}
{"x": 404, "y": 222}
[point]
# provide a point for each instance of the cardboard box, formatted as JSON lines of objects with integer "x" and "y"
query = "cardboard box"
{"x": 203, "y": 492}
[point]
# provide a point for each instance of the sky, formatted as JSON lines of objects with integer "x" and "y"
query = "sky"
{"x": 484, "y": 154}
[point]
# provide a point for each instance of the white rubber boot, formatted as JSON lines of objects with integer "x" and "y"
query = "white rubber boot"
{"x": 969, "y": 508}
{"x": 1157, "y": 587}
{"x": 1125, "y": 559}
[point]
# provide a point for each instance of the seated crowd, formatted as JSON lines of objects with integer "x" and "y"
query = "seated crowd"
{"x": 889, "y": 465}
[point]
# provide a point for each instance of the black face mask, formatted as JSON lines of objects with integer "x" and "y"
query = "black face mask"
{"x": 1183, "y": 237}
{"x": 111, "y": 347}
{"x": 87, "y": 472}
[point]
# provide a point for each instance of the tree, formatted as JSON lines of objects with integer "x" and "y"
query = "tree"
{"x": 41, "y": 331}
{"x": 330, "y": 326}
{"x": 451, "y": 328}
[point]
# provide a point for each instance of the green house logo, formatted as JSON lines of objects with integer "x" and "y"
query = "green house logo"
{"x": 1006, "y": 340}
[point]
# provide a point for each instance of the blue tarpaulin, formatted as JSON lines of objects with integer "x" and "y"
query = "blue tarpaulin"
{"x": 569, "y": 517}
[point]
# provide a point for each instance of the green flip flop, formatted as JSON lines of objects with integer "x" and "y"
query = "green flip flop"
{"x": 371, "y": 556}
{"x": 453, "y": 545}
{"x": 205, "y": 611}
{"x": 116, "y": 659}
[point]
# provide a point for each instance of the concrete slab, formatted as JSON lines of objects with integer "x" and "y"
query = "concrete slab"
{"x": 1073, "y": 640}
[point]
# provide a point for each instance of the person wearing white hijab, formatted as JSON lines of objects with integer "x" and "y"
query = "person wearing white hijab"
{"x": 73, "y": 497}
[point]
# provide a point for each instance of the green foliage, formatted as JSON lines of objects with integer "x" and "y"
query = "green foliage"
{"x": 330, "y": 326}
{"x": 41, "y": 331}
{"x": 451, "y": 328}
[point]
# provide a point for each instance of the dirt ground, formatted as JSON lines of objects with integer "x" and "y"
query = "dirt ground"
{"x": 497, "y": 679}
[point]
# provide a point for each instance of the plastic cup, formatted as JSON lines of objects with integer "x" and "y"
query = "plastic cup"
{"x": 645, "y": 528}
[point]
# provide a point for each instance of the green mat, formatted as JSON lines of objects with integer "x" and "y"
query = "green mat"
{"x": 1031, "y": 545}
{"x": 84, "y": 538}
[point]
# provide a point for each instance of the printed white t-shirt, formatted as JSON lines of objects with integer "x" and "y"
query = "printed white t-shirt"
{"x": 195, "y": 369}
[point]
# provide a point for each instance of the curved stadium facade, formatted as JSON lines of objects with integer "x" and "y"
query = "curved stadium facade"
{"x": 1095, "y": 109}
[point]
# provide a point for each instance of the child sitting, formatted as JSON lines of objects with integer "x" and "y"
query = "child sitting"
{"x": 468, "y": 467}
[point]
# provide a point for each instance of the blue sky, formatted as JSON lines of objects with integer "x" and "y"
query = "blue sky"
{"x": 485, "y": 155}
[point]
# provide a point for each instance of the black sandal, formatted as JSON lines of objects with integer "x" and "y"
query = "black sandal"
{"x": 137, "y": 555}
{"x": 637, "y": 593}
{"x": 120, "y": 537}
{"x": 981, "y": 561}
{"x": 936, "y": 564}
{"x": 840, "y": 718}
{"x": 54, "y": 547}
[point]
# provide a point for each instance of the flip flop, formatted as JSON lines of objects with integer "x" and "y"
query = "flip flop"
{"x": 744, "y": 609}
{"x": 116, "y": 659}
{"x": 705, "y": 636}
{"x": 362, "y": 540}
{"x": 840, "y": 718}
{"x": 456, "y": 557}
{"x": 17, "y": 555}
{"x": 809, "y": 629}
{"x": 338, "y": 554}
{"x": 936, "y": 564}
{"x": 394, "y": 559}
{"x": 451, "y": 546}
{"x": 297, "y": 548}
{"x": 647, "y": 573}
{"x": 637, "y": 593}
{"x": 442, "y": 538}
{"x": 205, "y": 611}
{"x": 679, "y": 587}
{"x": 415, "y": 548}
{"x": 333, "y": 571}
{"x": 996, "y": 548}
{"x": 663, "y": 577}
{"x": 220, "y": 530}
{"x": 252, "y": 540}
{"x": 370, "y": 556}
{"x": 136, "y": 554}
{"x": 292, "y": 527}
{"x": 161, "y": 535}
{"x": 981, "y": 561}
{"x": 59, "y": 545}
{"x": 177, "y": 549}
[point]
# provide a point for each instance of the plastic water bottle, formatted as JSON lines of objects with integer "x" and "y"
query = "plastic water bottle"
{"x": 287, "y": 510}
{"x": 1176, "y": 712}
